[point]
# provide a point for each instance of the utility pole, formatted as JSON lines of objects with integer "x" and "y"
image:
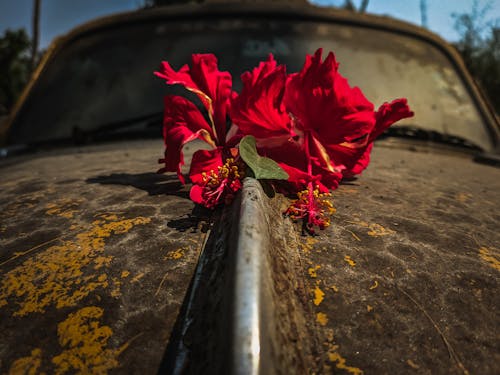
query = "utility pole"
{"x": 36, "y": 33}
{"x": 423, "y": 13}
{"x": 363, "y": 6}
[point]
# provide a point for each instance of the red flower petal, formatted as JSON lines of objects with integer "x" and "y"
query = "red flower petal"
{"x": 182, "y": 123}
{"x": 204, "y": 161}
{"x": 212, "y": 86}
{"x": 388, "y": 114}
{"x": 323, "y": 102}
{"x": 258, "y": 110}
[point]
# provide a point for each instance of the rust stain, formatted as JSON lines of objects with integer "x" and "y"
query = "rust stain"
{"x": 319, "y": 295}
{"x": 59, "y": 275}
{"x": 27, "y": 365}
{"x": 85, "y": 344}
{"x": 348, "y": 259}
{"x": 488, "y": 256}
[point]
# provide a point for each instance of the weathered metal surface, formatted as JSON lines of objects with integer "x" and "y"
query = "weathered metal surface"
{"x": 269, "y": 332}
{"x": 245, "y": 309}
{"x": 96, "y": 254}
{"x": 406, "y": 279}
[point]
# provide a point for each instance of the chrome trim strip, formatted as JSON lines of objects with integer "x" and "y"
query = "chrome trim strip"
{"x": 249, "y": 277}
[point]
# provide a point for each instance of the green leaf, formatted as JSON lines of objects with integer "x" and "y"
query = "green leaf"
{"x": 262, "y": 167}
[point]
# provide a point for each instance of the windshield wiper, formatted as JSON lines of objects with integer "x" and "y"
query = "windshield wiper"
{"x": 151, "y": 125}
{"x": 415, "y": 132}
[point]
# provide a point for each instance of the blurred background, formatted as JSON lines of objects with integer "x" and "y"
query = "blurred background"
{"x": 27, "y": 28}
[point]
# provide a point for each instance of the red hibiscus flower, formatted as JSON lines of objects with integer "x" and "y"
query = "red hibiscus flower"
{"x": 313, "y": 123}
{"x": 183, "y": 122}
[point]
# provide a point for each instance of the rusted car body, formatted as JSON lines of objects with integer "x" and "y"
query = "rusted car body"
{"x": 107, "y": 266}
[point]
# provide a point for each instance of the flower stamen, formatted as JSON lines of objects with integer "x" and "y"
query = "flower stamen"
{"x": 313, "y": 207}
{"x": 221, "y": 186}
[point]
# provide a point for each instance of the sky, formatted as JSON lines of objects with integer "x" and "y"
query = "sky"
{"x": 60, "y": 16}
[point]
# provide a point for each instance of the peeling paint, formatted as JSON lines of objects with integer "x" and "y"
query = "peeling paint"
{"x": 59, "y": 276}
{"x": 488, "y": 256}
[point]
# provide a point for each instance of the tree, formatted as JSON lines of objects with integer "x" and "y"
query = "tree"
{"x": 15, "y": 65}
{"x": 479, "y": 46}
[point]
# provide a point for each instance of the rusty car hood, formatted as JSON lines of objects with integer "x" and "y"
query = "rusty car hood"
{"x": 98, "y": 251}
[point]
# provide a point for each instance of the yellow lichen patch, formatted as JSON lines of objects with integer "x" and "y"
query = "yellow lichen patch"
{"x": 63, "y": 274}
{"x": 137, "y": 277}
{"x": 412, "y": 364}
{"x": 340, "y": 361}
{"x": 374, "y": 286}
{"x": 347, "y": 191}
{"x": 377, "y": 230}
{"x": 175, "y": 254}
{"x": 336, "y": 358}
{"x": 308, "y": 245}
{"x": 374, "y": 229}
{"x": 312, "y": 271}
{"x": 354, "y": 235}
{"x": 488, "y": 256}
{"x": 27, "y": 365}
{"x": 463, "y": 197}
{"x": 65, "y": 207}
{"x": 125, "y": 274}
{"x": 84, "y": 342}
{"x": 348, "y": 259}
{"x": 321, "y": 318}
{"x": 116, "y": 290}
{"x": 319, "y": 295}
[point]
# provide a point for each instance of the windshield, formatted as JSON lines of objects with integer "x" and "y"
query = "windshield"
{"x": 105, "y": 77}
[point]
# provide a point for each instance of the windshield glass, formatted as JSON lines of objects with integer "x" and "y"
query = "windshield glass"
{"x": 107, "y": 76}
